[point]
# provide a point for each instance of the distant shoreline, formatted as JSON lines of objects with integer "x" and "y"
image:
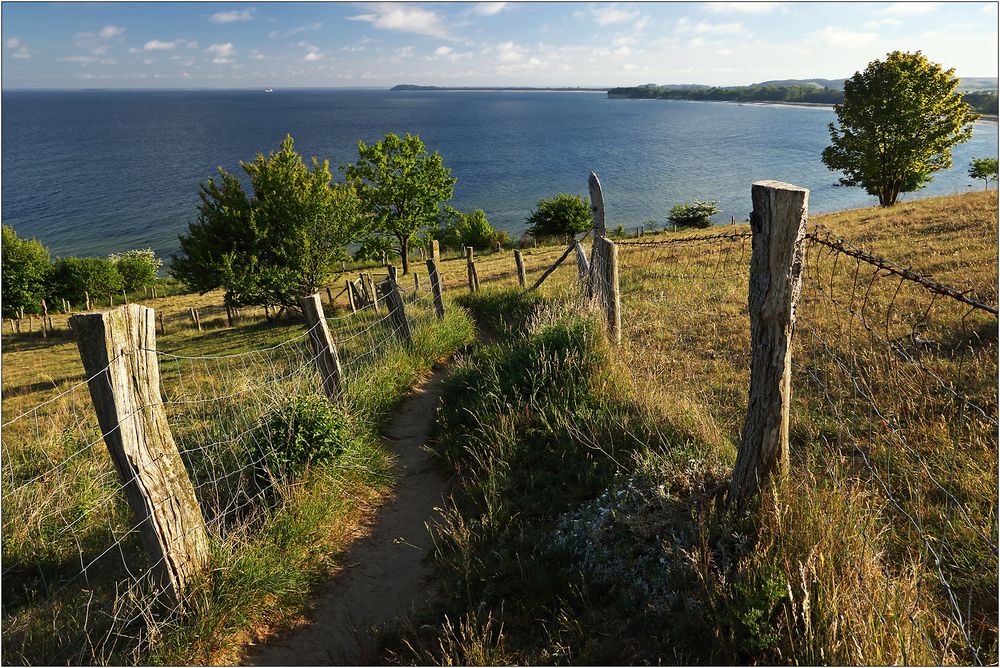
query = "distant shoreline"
{"x": 405, "y": 88}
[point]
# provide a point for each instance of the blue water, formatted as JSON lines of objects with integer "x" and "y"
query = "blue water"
{"x": 93, "y": 172}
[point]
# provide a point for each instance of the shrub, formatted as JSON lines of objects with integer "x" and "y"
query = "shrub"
{"x": 697, "y": 215}
{"x": 137, "y": 268}
{"x": 457, "y": 230}
{"x": 25, "y": 272}
{"x": 304, "y": 431}
{"x": 73, "y": 276}
{"x": 560, "y": 215}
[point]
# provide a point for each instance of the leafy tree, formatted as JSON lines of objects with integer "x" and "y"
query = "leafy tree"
{"x": 137, "y": 268}
{"x": 697, "y": 215}
{"x": 984, "y": 168}
{"x": 401, "y": 186}
{"x": 273, "y": 246}
{"x": 74, "y": 276}
{"x": 25, "y": 273}
{"x": 458, "y": 230}
{"x": 560, "y": 215}
{"x": 898, "y": 122}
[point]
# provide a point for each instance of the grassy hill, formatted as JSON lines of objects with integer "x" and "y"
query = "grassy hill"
{"x": 588, "y": 522}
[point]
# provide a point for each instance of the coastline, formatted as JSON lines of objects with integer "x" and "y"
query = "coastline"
{"x": 992, "y": 119}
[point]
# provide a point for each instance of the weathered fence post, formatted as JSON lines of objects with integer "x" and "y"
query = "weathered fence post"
{"x": 582, "y": 266}
{"x": 435, "y": 279}
{"x": 124, "y": 297}
{"x": 118, "y": 349}
{"x": 324, "y": 348}
{"x": 597, "y": 205}
{"x": 416, "y": 282}
{"x": 394, "y": 302}
{"x": 163, "y": 329}
{"x": 329, "y": 297}
{"x": 195, "y": 319}
{"x": 45, "y": 317}
{"x": 519, "y": 262}
{"x": 86, "y": 300}
{"x": 350, "y": 296}
{"x": 435, "y": 250}
{"x": 469, "y": 268}
{"x": 372, "y": 291}
{"x": 605, "y": 277}
{"x": 778, "y": 227}
{"x": 111, "y": 300}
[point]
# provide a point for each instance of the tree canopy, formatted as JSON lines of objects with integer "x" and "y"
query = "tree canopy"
{"x": 457, "y": 229}
{"x": 983, "y": 168}
{"x": 275, "y": 245}
{"x": 897, "y": 124}
{"x": 697, "y": 215}
{"x": 560, "y": 215}
{"x": 401, "y": 186}
{"x": 25, "y": 273}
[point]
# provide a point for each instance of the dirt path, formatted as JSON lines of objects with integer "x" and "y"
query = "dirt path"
{"x": 386, "y": 573}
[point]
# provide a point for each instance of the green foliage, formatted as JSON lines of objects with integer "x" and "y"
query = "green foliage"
{"x": 305, "y": 431}
{"x": 137, "y": 268}
{"x": 897, "y": 124}
{"x": 73, "y": 276}
{"x": 275, "y": 246}
{"x": 773, "y": 93}
{"x": 618, "y": 231}
{"x": 983, "y": 168}
{"x": 25, "y": 273}
{"x": 697, "y": 215}
{"x": 456, "y": 230}
{"x": 559, "y": 216}
{"x": 401, "y": 186}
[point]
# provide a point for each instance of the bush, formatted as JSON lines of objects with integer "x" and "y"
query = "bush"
{"x": 561, "y": 215}
{"x": 304, "y": 431}
{"x": 697, "y": 215}
{"x": 137, "y": 268}
{"x": 457, "y": 230}
{"x": 25, "y": 272}
{"x": 73, "y": 276}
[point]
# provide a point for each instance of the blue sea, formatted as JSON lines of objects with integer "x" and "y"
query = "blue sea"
{"x": 93, "y": 172}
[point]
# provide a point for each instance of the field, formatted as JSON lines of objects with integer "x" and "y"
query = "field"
{"x": 589, "y": 525}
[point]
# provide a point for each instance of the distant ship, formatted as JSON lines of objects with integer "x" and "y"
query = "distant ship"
{"x": 268, "y": 90}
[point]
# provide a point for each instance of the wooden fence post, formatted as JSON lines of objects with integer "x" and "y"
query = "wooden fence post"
{"x": 778, "y": 227}
{"x": 606, "y": 275}
{"x": 86, "y": 300}
{"x": 329, "y": 297}
{"x": 45, "y": 317}
{"x": 435, "y": 250}
{"x": 195, "y": 319}
{"x": 435, "y": 279}
{"x": 350, "y": 296}
{"x": 469, "y": 268}
{"x": 324, "y": 348}
{"x": 124, "y": 297}
{"x": 163, "y": 329}
{"x": 597, "y": 205}
{"x": 416, "y": 282}
{"x": 129, "y": 407}
{"x": 582, "y": 266}
{"x": 372, "y": 291}
{"x": 519, "y": 262}
{"x": 397, "y": 313}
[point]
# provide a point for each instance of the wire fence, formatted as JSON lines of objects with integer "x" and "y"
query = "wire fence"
{"x": 78, "y": 584}
{"x": 893, "y": 388}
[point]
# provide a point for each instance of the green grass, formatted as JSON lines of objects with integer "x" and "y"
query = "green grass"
{"x": 273, "y": 539}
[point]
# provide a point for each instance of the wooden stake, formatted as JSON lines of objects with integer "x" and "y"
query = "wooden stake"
{"x": 118, "y": 349}
{"x": 778, "y": 227}
{"x": 416, "y": 281}
{"x": 432, "y": 274}
{"x": 86, "y": 300}
{"x": 350, "y": 296}
{"x": 163, "y": 329}
{"x": 324, "y": 348}
{"x": 519, "y": 262}
{"x": 329, "y": 298}
{"x": 597, "y": 205}
{"x": 468, "y": 268}
{"x": 195, "y": 319}
{"x": 397, "y": 312}
{"x": 124, "y": 297}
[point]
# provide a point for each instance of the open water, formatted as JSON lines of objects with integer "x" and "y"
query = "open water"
{"x": 93, "y": 172}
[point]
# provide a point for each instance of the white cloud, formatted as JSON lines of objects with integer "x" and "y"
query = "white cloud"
{"x": 312, "y": 57}
{"x": 100, "y": 50}
{"x": 742, "y": 7}
{"x": 13, "y": 43}
{"x": 80, "y": 59}
{"x": 158, "y": 45}
{"x": 908, "y": 9}
{"x": 489, "y": 8}
{"x": 295, "y": 31}
{"x": 233, "y": 16}
{"x": 842, "y": 38}
{"x": 509, "y": 52}
{"x": 404, "y": 18}
{"x": 442, "y": 51}
{"x": 684, "y": 25}
{"x": 107, "y": 32}
{"x": 222, "y": 50}
{"x": 21, "y": 48}
{"x": 608, "y": 14}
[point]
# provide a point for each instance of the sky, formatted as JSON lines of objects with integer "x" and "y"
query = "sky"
{"x": 251, "y": 45}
